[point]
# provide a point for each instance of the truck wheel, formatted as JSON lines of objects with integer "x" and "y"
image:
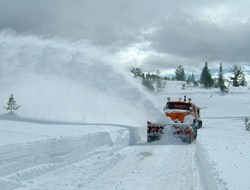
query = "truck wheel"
{"x": 149, "y": 140}
{"x": 195, "y": 135}
{"x": 190, "y": 138}
{"x": 200, "y": 124}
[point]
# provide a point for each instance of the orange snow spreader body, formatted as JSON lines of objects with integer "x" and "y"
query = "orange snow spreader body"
{"x": 185, "y": 120}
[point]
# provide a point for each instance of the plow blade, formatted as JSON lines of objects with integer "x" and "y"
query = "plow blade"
{"x": 186, "y": 132}
{"x": 154, "y": 131}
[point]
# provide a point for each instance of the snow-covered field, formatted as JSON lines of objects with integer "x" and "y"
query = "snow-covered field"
{"x": 82, "y": 125}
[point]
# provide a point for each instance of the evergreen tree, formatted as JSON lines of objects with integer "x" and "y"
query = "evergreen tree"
{"x": 180, "y": 73}
{"x": 206, "y": 77}
{"x": 11, "y": 104}
{"x": 137, "y": 72}
{"x": 247, "y": 124}
{"x": 166, "y": 78}
{"x": 243, "y": 81}
{"x": 191, "y": 79}
{"x": 221, "y": 80}
{"x": 160, "y": 81}
{"x": 148, "y": 82}
{"x": 160, "y": 85}
{"x": 195, "y": 83}
{"x": 238, "y": 77}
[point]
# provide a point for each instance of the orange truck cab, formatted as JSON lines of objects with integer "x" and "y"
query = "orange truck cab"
{"x": 178, "y": 110}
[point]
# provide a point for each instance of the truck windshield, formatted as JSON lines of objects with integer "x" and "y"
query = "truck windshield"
{"x": 177, "y": 105}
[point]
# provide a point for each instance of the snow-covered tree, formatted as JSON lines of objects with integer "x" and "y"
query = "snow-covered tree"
{"x": 238, "y": 77}
{"x": 243, "y": 81}
{"x": 221, "y": 80}
{"x": 160, "y": 81}
{"x": 180, "y": 73}
{"x": 148, "y": 81}
{"x": 11, "y": 104}
{"x": 153, "y": 82}
{"x": 247, "y": 124}
{"x": 137, "y": 72}
{"x": 191, "y": 79}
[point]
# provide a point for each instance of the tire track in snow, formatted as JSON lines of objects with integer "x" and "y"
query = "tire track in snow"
{"x": 153, "y": 167}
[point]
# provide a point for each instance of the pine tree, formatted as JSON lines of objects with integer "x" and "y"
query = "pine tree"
{"x": 11, "y": 104}
{"x": 195, "y": 83}
{"x": 221, "y": 80}
{"x": 247, "y": 124}
{"x": 243, "y": 81}
{"x": 191, "y": 79}
{"x": 206, "y": 77}
{"x": 180, "y": 73}
{"x": 160, "y": 82}
{"x": 238, "y": 77}
{"x": 148, "y": 82}
{"x": 151, "y": 81}
{"x": 137, "y": 72}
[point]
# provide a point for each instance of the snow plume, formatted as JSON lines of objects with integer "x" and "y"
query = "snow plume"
{"x": 72, "y": 81}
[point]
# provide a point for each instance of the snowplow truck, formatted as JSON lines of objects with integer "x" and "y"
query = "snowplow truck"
{"x": 184, "y": 117}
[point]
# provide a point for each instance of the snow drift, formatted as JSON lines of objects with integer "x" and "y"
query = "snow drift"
{"x": 32, "y": 150}
{"x": 72, "y": 81}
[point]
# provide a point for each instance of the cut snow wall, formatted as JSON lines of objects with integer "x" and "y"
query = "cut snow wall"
{"x": 24, "y": 161}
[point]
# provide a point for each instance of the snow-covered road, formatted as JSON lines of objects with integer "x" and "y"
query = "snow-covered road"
{"x": 153, "y": 167}
{"x": 133, "y": 167}
{"x": 34, "y": 158}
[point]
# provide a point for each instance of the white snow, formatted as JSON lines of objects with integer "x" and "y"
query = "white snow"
{"x": 82, "y": 125}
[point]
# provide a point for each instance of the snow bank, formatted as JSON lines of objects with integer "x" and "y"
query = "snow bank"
{"x": 208, "y": 178}
{"x": 226, "y": 147}
{"x": 30, "y": 150}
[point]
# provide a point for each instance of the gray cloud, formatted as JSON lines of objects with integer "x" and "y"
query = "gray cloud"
{"x": 199, "y": 40}
{"x": 187, "y": 32}
{"x": 102, "y": 22}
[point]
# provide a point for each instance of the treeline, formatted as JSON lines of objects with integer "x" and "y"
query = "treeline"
{"x": 207, "y": 80}
{"x": 153, "y": 82}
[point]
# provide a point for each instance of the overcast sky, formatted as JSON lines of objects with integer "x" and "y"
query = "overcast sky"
{"x": 152, "y": 34}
